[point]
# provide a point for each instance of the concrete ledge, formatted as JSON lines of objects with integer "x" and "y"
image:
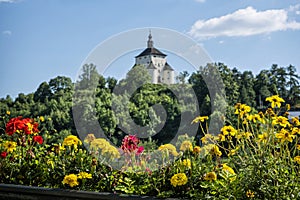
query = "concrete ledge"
{"x": 10, "y": 191}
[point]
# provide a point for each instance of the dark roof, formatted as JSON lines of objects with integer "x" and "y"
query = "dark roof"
{"x": 168, "y": 67}
{"x": 151, "y": 51}
{"x": 151, "y": 66}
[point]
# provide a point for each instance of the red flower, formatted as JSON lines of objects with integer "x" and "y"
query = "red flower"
{"x": 130, "y": 144}
{"x": 13, "y": 125}
{"x": 140, "y": 150}
{"x": 38, "y": 139}
{"x": 17, "y": 124}
{"x": 3, "y": 154}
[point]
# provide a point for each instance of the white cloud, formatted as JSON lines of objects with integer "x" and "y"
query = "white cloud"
{"x": 7, "y": 32}
{"x": 8, "y": 1}
{"x": 294, "y": 8}
{"x": 244, "y": 22}
{"x": 200, "y": 1}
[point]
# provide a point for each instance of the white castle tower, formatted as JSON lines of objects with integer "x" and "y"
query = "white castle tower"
{"x": 156, "y": 63}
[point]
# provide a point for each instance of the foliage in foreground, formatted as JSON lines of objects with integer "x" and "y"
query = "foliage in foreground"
{"x": 257, "y": 159}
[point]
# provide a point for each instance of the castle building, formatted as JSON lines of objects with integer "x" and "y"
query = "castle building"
{"x": 156, "y": 63}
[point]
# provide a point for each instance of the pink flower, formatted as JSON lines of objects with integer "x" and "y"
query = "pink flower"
{"x": 140, "y": 150}
{"x": 130, "y": 144}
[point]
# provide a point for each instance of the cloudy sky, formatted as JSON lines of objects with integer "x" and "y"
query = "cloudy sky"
{"x": 41, "y": 39}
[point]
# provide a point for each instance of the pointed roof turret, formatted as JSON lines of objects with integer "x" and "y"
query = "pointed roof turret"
{"x": 150, "y": 49}
{"x": 150, "y": 41}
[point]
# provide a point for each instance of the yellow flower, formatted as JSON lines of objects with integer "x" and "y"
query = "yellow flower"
{"x": 263, "y": 137}
{"x": 295, "y": 130}
{"x": 282, "y": 121}
{"x": 244, "y": 109}
{"x": 250, "y": 194}
{"x": 186, "y": 163}
{"x": 296, "y": 121}
{"x": 288, "y": 107}
{"x": 298, "y": 146}
{"x": 170, "y": 148}
{"x": 8, "y": 112}
{"x": 284, "y": 135}
{"x": 247, "y": 135}
{"x": 297, "y": 159}
{"x": 42, "y": 119}
{"x": 229, "y": 130}
{"x": 275, "y": 101}
{"x": 233, "y": 151}
{"x": 89, "y": 138}
{"x": 186, "y": 145}
{"x": 179, "y": 179}
{"x": 84, "y": 175}
{"x": 215, "y": 151}
{"x": 221, "y": 137}
{"x": 225, "y": 167}
{"x": 71, "y": 140}
{"x": 10, "y": 146}
{"x": 200, "y": 119}
{"x": 210, "y": 176}
{"x": 196, "y": 150}
{"x": 111, "y": 151}
{"x": 207, "y": 138}
{"x": 99, "y": 143}
{"x": 71, "y": 180}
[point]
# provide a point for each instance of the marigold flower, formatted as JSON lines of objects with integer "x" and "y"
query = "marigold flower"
{"x": 99, "y": 143}
{"x": 197, "y": 150}
{"x": 89, "y": 138}
{"x": 210, "y": 176}
{"x": 275, "y": 101}
{"x": 71, "y": 180}
{"x": 263, "y": 137}
{"x": 71, "y": 140}
{"x": 170, "y": 148}
{"x": 282, "y": 121}
{"x": 186, "y": 163}
{"x": 284, "y": 135}
{"x": 17, "y": 124}
{"x": 250, "y": 194}
{"x": 3, "y": 154}
{"x": 84, "y": 175}
{"x": 200, "y": 119}
{"x": 297, "y": 159}
{"x": 179, "y": 179}
{"x": 186, "y": 146}
{"x": 229, "y": 130}
{"x": 38, "y": 139}
{"x": 10, "y": 146}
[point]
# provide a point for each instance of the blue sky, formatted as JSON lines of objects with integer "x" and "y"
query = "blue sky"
{"x": 41, "y": 39}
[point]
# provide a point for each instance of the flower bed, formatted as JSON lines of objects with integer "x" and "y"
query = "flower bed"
{"x": 256, "y": 158}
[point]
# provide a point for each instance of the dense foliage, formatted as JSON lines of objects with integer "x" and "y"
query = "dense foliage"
{"x": 257, "y": 159}
{"x": 92, "y": 93}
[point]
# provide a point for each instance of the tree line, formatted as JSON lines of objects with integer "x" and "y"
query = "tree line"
{"x": 135, "y": 106}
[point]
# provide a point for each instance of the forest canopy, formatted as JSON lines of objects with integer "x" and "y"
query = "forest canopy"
{"x": 129, "y": 105}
